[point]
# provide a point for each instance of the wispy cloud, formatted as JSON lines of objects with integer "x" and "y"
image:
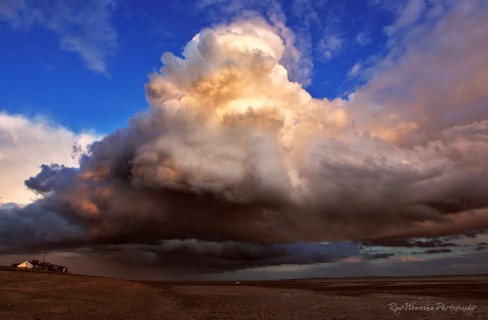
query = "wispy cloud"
{"x": 362, "y": 38}
{"x": 83, "y": 27}
{"x": 406, "y": 16}
{"x": 8, "y": 8}
{"x": 329, "y": 46}
{"x": 356, "y": 68}
{"x": 424, "y": 85}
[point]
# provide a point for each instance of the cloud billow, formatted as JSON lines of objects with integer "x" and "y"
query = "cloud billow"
{"x": 233, "y": 158}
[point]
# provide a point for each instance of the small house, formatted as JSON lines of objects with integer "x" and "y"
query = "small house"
{"x": 27, "y": 265}
{"x": 44, "y": 266}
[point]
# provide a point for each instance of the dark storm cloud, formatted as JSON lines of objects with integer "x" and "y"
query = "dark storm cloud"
{"x": 48, "y": 178}
{"x": 32, "y": 228}
{"x": 433, "y": 251}
{"x": 377, "y": 256}
{"x": 481, "y": 246}
{"x": 197, "y": 256}
{"x": 407, "y": 243}
{"x": 233, "y": 164}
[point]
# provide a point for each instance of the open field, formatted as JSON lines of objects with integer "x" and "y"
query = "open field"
{"x": 40, "y": 295}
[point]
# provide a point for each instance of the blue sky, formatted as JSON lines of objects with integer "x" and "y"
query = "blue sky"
{"x": 40, "y": 76}
{"x": 276, "y": 139}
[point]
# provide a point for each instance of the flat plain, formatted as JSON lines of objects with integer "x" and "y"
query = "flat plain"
{"x": 41, "y": 295}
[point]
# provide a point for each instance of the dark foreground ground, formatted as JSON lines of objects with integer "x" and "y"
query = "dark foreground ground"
{"x": 39, "y": 295}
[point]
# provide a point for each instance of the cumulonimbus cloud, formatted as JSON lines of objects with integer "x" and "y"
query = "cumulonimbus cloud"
{"x": 232, "y": 152}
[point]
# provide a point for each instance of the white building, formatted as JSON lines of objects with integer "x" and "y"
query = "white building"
{"x": 26, "y": 265}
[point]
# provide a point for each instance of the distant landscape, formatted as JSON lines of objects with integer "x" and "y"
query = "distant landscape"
{"x": 44, "y": 295}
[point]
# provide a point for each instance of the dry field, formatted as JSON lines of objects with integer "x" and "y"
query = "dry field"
{"x": 39, "y": 295}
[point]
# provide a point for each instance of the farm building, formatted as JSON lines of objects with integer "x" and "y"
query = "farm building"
{"x": 26, "y": 265}
{"x": 45, "y": 266}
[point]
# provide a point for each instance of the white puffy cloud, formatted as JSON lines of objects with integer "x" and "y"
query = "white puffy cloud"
{"x": 26, "y": 144}
{"x": 297, "y": 57}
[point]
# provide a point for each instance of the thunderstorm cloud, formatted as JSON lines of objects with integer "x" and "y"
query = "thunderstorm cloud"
{"x": 233, "y": 165}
